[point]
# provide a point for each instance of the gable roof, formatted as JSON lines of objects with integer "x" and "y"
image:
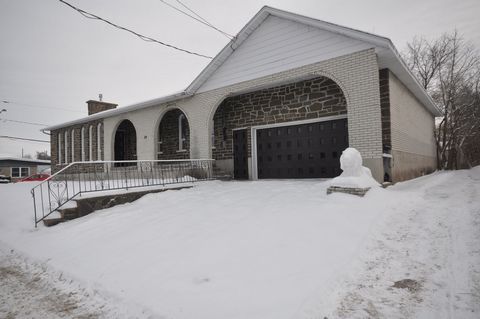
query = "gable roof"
{"x": 388, "y": 57}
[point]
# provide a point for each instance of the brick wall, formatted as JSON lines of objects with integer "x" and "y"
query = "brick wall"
{"x": 357, "y": 74}
{"x": 168, "y": 133}
{"x": 291, "y": 102}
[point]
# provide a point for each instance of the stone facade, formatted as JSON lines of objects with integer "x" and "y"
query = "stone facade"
{"x": 302, "y": 100}
{"x": 77, "y": 156}
{"x": 385, "y": 108}
{"x": 168, "y": 135}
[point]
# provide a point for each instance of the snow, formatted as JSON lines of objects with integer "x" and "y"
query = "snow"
{"x": 264, "y": 249}
{"x": 354, "y": 174}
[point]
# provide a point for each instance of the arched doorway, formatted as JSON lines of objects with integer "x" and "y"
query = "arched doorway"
{"x": 173, "y": 139}
{"x": 125, "y": 147}
{"x": 295, "y": 130}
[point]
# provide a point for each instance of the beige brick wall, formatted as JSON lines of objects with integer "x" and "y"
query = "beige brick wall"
{"x": 412, "y": 129}
{"x": 356, "y": 74}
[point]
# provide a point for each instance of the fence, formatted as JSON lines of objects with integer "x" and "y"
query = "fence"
{"x": 85, "y": 177}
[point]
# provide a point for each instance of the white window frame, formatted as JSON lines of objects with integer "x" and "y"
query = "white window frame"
{"x": 99, "y": 147}
{"x": 181, "y": 138}
{"x": 90, "y": 144}
{"x": 59, "y": 151}
{"x": 82, "y": 147}
{"x": 66, "y": 147}
{"x": 19, "y": 172}
{"x": 72, "y": 141}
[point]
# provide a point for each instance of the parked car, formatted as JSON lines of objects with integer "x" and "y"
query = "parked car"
{"x": 35, "y": 177}
{"x": 5, "y": 179}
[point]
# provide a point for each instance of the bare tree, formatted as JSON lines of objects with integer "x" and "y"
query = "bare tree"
{"x": 449, "y": 69}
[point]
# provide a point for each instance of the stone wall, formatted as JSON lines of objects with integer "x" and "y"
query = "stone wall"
{"x": 291, "y": 102}
{"x": 168, "y": 134}
{"x": 77, "y": 156}
{"x": 385, "y": 108}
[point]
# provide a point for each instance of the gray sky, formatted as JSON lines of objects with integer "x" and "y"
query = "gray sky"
{"x": 51, "y": 56}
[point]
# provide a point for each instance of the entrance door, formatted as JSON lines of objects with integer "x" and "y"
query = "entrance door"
{"x": 240, "y": 154}
{"x": 301, "y": 151}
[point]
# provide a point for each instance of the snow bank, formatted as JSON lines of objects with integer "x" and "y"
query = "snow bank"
{"x": 354, "y": 174}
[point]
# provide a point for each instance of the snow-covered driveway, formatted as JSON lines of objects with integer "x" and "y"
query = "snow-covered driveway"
{"x": 270, "y": 249}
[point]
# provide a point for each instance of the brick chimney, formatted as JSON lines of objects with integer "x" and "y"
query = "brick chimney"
{"x": 99, "y": 106}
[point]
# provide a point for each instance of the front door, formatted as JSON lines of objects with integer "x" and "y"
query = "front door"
{"x": 240, "y": 154}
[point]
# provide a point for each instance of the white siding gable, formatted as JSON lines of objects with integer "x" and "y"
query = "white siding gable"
{"x": 277, "y": 45}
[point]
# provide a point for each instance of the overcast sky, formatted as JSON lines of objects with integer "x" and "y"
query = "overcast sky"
{"x": 51, "y": 56}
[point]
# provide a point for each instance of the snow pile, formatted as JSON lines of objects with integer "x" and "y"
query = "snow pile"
{"x": 354, "y": 174}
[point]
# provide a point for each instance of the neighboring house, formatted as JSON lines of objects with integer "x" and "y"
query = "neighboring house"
{"x": 18, "y": 168}
{"x": 282, "y": 100}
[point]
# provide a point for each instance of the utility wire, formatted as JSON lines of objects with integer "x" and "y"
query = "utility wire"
{"x": 38, "y": 106}
{"x": 22, "y": 122}
{"x": 142, "y": 37}
{"x": 198, "y": 18}
{"x": 23, "y": 139}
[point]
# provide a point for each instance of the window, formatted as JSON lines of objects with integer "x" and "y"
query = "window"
{"x": 20, "y": 171}
{"x": 90, "y": 140}
{"x": 72, "y": 141}
{"x": 181, "y": 132}
{"x": 66, "y": 147}
{"x": 82, "y": 141}
{"x": 59, "y": 150}
{"x": 99, "y": 145}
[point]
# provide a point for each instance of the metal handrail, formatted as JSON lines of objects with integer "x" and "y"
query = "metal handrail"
{"x": 93, "y": 176}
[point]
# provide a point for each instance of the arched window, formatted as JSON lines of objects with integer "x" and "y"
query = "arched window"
{"x": 181, "y": 132}
{"x": 66, "y": 147}
{"x": 90, "y": 144}
{"x": 59, "y": 150}
{"x": 82, "y": 140}
{"x": 72, "y": 141}
{"x": 99, "y": 146}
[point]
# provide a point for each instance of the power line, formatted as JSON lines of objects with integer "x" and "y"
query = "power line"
{"x": 38, "y": 106}
{"x": 23, "y": 122}
{"x": 199, "y": 19}
{"x": 142, "y": 37}
{"x": 23, "y": 139}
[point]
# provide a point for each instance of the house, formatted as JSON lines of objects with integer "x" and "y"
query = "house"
{"x": 18, "y": 168}
{"x": 281, "y": 100}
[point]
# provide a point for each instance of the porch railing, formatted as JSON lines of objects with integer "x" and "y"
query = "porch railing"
{"x": 85, "y": 177}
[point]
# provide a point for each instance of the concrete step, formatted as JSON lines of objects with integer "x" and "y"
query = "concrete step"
{"x": 87, "y": 205}
{"x": 53, "y": 221}
{"x": 69, "y": 213}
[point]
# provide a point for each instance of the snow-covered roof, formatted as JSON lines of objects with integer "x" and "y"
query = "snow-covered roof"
{"x": 388, "y": 57}
{"x": 30, "y": 160}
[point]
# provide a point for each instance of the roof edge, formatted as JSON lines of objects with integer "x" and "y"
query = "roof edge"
{"x": 129, "y": 108}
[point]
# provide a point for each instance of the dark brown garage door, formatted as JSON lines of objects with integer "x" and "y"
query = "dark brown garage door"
{"x": 301, "y": 151}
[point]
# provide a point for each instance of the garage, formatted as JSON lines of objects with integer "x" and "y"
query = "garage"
{"x": 309, "y": 150}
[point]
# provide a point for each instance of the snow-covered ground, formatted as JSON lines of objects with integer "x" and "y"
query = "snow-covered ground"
{"x": 266, "y": 249}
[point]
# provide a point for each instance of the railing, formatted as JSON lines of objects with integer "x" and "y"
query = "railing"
{"x": 85, "y": 177}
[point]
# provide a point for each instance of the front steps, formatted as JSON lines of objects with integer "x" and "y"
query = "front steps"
{"x": 87, "y": 205}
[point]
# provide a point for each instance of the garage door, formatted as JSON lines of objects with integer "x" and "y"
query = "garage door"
{"x": 301, "y": 151}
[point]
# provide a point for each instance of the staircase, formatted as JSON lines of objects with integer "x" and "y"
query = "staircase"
{"x": 79, "y": 178}
{"x": 87, "y": 205}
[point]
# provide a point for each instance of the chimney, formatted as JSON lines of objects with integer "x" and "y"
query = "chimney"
{"x": 99, "y": 106}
